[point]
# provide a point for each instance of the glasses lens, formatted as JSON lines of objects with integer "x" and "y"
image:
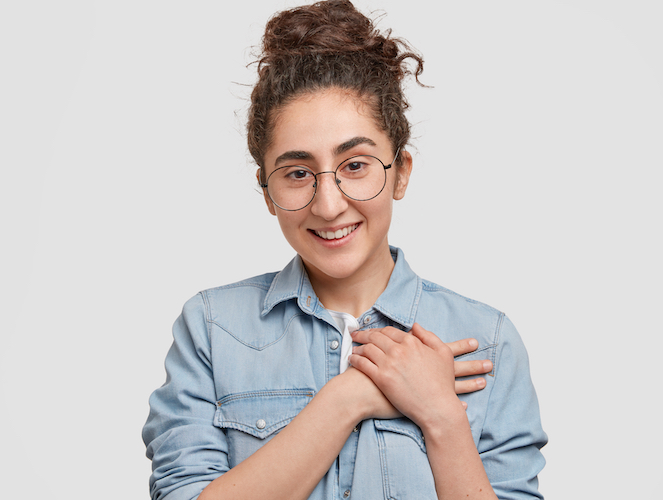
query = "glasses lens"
{"x": 361, "y": 177}
{"x": 291, "y": 188}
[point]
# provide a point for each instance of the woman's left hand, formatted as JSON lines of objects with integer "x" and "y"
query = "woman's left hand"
{"x": 414, "y": 370}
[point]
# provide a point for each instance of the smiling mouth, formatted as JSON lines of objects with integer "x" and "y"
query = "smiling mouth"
{"x": 336, "y": 235}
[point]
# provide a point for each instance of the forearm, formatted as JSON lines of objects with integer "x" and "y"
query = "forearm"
{"x": 294, "y": 461}
{"x": 454, "y": 459}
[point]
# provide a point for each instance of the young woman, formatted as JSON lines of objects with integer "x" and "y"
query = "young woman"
{"x": 335, "y": 378}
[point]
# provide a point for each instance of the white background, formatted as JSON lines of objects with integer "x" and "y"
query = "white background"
{"x": 126, "y": 188}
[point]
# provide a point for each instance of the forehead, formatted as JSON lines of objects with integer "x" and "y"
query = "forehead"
{"x": 320, "y": 123}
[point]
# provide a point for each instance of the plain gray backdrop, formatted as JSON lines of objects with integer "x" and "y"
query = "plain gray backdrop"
{"x": 126, "y": 188}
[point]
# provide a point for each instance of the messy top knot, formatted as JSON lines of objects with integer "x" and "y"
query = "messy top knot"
{"x": 329, "y": 44}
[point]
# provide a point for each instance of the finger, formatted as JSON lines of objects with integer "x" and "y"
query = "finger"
{"x": 364, "y": 336}
{"x": 426, "y": 337}
{"x": 464, "y": 404}
{"x": 472, "y": 385}
{"x": 376, "y": 337}
{"x": 364, "y": 365}
{"x": 463, "y": 346}
{"x": 468, "y": 368}
{"x": 371, "y": 352}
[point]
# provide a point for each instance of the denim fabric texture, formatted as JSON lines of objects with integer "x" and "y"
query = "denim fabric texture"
{"x": 247, "y": 357}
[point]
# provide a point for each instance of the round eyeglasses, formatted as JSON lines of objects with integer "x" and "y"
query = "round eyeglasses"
{"x": 360, "y": 178}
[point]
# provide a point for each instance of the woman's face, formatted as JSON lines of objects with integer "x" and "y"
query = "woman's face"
{"x": 319, "y": 131}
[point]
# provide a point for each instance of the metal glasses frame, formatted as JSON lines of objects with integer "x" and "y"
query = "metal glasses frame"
{"x": 338, "y": 182}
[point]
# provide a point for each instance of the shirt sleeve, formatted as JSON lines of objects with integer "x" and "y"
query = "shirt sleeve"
{"x": 512, "y": 436}
{"x": 186, "y": 449}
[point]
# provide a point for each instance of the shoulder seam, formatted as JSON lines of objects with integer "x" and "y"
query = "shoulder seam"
{"x": 208, "y": 316}
{"x": 496, "y": 341}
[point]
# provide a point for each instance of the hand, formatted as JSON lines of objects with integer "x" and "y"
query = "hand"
{"x": 364, "y": 396}
{"x": 469, "y": 368}
{"x": 414, "y": 370}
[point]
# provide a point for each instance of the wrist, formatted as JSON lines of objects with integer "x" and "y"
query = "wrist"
{"x": 441, "y": 423}
{"x": 342, "y": 393}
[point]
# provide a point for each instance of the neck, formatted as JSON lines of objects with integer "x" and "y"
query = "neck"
{"x": 357, "y": 293}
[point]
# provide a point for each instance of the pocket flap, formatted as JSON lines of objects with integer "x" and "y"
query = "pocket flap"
{"x": 403, "y": 426}
{"x": 261, "y": 413}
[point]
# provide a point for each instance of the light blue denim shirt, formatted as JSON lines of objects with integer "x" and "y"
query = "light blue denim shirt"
{"x": 247, "y": 357}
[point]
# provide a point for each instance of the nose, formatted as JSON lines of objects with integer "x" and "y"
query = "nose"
{"x": 328, "y": 202}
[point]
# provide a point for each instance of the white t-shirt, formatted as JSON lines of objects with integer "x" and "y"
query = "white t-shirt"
{"x": 347, "y": 323}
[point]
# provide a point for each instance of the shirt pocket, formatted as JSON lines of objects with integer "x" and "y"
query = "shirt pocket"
{"x": 406, "y": 472}
{"x": 251, "y": 419}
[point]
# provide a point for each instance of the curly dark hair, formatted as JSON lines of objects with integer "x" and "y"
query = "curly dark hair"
{"x": 323, "y": 45}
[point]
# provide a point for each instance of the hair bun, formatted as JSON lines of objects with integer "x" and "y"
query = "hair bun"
{"x": 324, "y": 27}
{"x": 329, "y": 27}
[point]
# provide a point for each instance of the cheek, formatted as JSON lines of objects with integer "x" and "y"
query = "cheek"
{"x": 289, "y": 224}
{"x": 380, "y": 213}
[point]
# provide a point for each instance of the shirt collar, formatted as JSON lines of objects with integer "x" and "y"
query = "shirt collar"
{"x": 291, "y": 283}
{"x": 400, "y": 299}
{"x": 398, "y": 302}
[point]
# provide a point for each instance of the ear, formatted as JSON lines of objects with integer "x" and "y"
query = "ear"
{"x": 403, "y": 175}
{"x": 268, "y": 201}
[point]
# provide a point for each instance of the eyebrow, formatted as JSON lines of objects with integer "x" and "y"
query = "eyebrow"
{"x": 340, "y": 149}
{"x": 294, "y": 155}
{"x": 355, "y": 141}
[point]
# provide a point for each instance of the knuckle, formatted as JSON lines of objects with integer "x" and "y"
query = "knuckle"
{"x": 410, "y": 340}
{"x": 370, "y": 349}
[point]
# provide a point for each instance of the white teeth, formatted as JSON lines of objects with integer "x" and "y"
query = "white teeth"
{"x": 329, "y": 235}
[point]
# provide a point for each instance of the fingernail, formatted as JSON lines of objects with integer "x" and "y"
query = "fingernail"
{"x": 353, "y": 333}
{"x": 474, "y": 343}
{"x": 487, "y": 365}
{"x": 464, "y": 404}
{"x": 481, "y": 382}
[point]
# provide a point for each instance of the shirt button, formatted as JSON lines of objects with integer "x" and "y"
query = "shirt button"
{"x": 260, "y": 424}
{"x": 356, "y": 429}
{"x": 334, "y": 344}
{"x": 346, "y": 493}
{"x": 367, "y": 319}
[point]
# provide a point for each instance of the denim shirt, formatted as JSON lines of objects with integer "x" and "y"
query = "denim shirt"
{"x": 249, "y": 356}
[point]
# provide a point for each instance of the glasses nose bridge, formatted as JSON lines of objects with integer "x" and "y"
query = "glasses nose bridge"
{"x": 336, "y": 181}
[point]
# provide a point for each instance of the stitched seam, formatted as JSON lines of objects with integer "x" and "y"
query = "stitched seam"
{"x": 493, "y": 373}
{"x": 208, "y": 317}
{"x": 485, "y": 348}
{"x": 383, "y": 459}
{"x": 241, "y": 426}
{"x": 271, "y": 393}
{"x": 285, "y": 330}
{"x": 498, "y": 330}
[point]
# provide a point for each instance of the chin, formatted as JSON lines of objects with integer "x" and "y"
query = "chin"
{"x": 328, "y": 269}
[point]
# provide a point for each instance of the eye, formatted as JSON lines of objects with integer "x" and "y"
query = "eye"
{"x": 294, "y": 174}
{"x": 298, "y": 174}
{"x": 354, "y": 166}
